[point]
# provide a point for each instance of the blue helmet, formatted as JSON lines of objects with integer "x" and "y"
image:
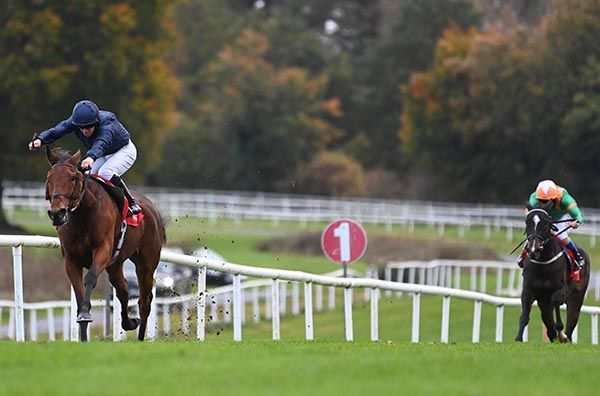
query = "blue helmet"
{"x": 85, "y": 113}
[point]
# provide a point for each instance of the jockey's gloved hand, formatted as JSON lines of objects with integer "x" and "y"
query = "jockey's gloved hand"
{"x": 575, "y": 224}
{"x": 87, "y": 163}
{"x": 35, "y": 144}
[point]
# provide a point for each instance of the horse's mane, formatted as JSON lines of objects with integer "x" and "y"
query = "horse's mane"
{"x": 61, "y": 153}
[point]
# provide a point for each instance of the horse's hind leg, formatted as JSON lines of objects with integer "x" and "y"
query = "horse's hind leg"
{"x": 145, "y": 265}
{"x": 115, "y": 275}
{"x": 573, "y": 309}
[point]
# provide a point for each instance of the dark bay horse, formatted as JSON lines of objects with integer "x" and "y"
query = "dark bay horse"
{"x": 546, "y": 279}
{"x": 89, "y": 226}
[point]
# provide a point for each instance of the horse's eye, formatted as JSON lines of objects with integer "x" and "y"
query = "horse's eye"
{"x": 73, "y": 178}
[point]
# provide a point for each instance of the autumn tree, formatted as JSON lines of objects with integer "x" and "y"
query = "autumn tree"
{"x": 56, "y": 53}
{"x": 256, "y": 122}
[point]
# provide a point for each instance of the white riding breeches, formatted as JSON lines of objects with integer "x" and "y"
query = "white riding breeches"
{"x": 117, "y": 163}
{"x": 563, "y": 226}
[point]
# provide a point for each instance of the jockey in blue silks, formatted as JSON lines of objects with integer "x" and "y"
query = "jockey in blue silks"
{"x": 110, "y": 150}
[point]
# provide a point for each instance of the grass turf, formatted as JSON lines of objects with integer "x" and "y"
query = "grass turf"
{"x": 296, "y": 368}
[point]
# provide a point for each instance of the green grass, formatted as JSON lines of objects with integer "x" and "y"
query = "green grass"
{"x": 296, "y": 368}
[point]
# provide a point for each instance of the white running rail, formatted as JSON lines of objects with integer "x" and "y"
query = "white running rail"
{"x": 238, "y": 205}
{"x": 276, "y": 277}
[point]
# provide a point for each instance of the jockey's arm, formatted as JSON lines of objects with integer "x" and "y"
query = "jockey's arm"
{"x": 50, "y": 135}
{"x": 570, "y": 205}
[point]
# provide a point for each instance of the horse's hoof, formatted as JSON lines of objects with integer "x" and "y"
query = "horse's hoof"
{"x": 84, "y": 317}
{"x": 131, "y": 324}
{"x": 563, "y": 337}
{"x": 519, "y": 339}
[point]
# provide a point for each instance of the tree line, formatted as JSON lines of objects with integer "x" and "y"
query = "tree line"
{"x": 462, "y": 100}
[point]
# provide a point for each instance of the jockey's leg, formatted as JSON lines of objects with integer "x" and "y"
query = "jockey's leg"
{"x": 116, "y": 165}
{"x": 562, "y": 230}
{"x": 133, "y": 206}
{"x": 578, "y": 257}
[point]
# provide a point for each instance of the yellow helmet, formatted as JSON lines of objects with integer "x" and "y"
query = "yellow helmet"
{"x": 546, "y": 190}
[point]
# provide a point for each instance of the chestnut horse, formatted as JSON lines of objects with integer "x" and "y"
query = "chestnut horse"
{"x": 89, "y": 226}
{"x": 546, "y": 279}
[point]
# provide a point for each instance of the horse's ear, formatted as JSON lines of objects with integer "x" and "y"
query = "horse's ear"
{"x": 52, "y": 158}
{"x": 74, "y": 160}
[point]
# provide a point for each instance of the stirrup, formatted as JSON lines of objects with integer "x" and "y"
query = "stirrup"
{"x": 134, "y": 208}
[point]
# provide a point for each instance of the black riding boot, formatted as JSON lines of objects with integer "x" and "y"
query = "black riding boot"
{"x": 579, "y": 261}
{"x": 134, "y": 208}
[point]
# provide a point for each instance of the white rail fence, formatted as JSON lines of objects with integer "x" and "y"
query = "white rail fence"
{"x": 303, "y": 209}
{"x": 275, "y": 278}
{"x": 449, "y": 273}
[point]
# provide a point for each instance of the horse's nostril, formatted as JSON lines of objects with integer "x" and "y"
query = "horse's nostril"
{"x": 50, "y": 214}
{"x": 62, "y": 212}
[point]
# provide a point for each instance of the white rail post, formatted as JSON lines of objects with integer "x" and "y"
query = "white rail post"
{"x": 17, "y": 252}
{"x": 445, "y": 319}
{"x": 526, "y": 334}
{"x": 499, "y": 282}
{"x": 66, "y": 323}
{"x": 51, "y": 325}
{"x": 374, "y": 314}
{"x": 575, "y": 335}
{"x": 33, "y": 324}
{"x": 117, "y": 332}
{"x": 319, "y": 298}
{"x": 388, "y": 277}
{"x": 308, "y": 311}
{"x": 201, "y": 307}
{"x": 283, "y": 298}
{"x": 400, "y": 279}
{"x": 275, "y": 309}
{"x": 483, "y": 285}
{"x": 348, "y": 313}
{"x": 295, "y": 298}
{"x": 255, "y": 305}
{"x": 457, "y": 277}
{"x": 74, "y": 327}
{"x": 11, "y": 323}
{"x": 152, "y": 327}
{"x": 416, "y": 312}
{"x": 476, "y": 321}
{"x": 331, "y": 298}
{"x": 237, "y": 308}
{"x": 499, "y": 322}
{"x": 594, "y": 329}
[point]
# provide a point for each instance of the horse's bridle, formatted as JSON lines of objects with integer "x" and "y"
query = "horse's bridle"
{"x": 543, "y": 240}
{"x": 70, "y": 197}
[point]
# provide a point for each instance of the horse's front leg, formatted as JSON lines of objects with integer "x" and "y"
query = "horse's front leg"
{"x": 547, "y": 310}
{"x": 100, "y": 259}
{"x": 558, "y": 299}
{"x": 527, "y": 299}
{"x": 75, "y": 275}
{"x": 116, "y": 278}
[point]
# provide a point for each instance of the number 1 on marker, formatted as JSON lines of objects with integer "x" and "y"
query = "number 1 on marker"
{"x": 343, "y": 233}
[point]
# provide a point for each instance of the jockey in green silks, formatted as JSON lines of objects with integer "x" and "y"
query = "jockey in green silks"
{"x": 561, "y": 206}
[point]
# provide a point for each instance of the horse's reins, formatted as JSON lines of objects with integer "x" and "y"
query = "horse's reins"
{"x": 544, "y": 241}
